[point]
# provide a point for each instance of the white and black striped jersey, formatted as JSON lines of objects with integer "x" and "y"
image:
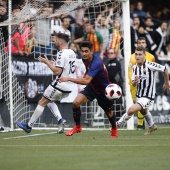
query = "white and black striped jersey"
{"x": 146, "y": 74}
{"x": 66, "y": 59}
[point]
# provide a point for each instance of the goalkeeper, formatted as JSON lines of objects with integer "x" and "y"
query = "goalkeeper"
{"x": 141, "y": 42}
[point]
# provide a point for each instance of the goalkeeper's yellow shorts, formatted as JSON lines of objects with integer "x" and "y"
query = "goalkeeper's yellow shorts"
{"x": 133, "y": 92}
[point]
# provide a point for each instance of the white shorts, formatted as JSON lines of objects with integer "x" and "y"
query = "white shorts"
{"x": 53, "y": 94}
{"x": 144, "y": 102}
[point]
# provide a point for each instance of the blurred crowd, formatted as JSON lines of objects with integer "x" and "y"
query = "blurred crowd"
{"x": 102, "y": 25}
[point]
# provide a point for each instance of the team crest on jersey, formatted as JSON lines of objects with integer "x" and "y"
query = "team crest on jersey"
{"x": 58, "y": 62}
{"x": 145, "y": 70}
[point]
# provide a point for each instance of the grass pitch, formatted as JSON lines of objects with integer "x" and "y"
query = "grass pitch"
{"x": 88, "y": 150}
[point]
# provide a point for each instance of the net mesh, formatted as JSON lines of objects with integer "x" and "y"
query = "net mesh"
{"x": 36, "y": 21}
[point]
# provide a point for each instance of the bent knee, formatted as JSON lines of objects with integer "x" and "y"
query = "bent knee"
{"x": 76, "y": 104}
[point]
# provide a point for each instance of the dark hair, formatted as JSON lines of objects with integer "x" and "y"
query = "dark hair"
{"x": 71, "y": 43}
{"x": 87, "y": 44}
{"x": 63, "y": 18}
{"x": 62, "y": 36}
{"x": 140, "y": 49}
{"x": 141, "y": 38}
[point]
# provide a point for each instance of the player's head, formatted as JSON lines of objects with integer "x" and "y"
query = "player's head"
{"x": 141, "y": 42}
{"x": 86, "y": 50}
{"x": 111, "y": 53}
{"x": 140, "y": 55}
{"x": 61, "y": 40}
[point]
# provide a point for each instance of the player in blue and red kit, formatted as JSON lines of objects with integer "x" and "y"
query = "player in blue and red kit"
{"x": 96, "y": 79}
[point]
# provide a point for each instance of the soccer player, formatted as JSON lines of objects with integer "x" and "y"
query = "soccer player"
{"x": 143, "y": 76}
{"x": 65, "y": 66}
{"x": 96, "y": 79}
{"x": 141, "y": 42}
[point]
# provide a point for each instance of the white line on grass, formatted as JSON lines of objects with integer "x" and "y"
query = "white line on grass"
{"x": 27, "y": 136}
{"x": 152, "y": 145}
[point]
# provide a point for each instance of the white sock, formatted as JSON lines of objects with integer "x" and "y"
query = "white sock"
{"x": 123, "y": 119}
{"x": 149, "y": 119}
{"x": 37, "y": 113}
{"x": 54, "y": 109}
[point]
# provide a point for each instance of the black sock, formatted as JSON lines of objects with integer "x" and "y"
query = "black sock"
{"x": 113, "y": 120}
{"x": 77, "y": 115}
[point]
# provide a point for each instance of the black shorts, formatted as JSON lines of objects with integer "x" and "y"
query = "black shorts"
{"x": 102, "y": 100}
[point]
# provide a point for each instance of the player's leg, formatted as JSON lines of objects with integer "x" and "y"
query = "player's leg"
{"x": 145, "y": 103}
{"x": 133, "y": 109}
{"x": 61, "y": 122}
{"x": 107, "y": 106}
{"x": 139, "y": 115}
{"x": 79, "y": 100}
{"x": 141, "y": 122}
{"x": 149, "y": 120}
{"x": 37, "y": 113}
{"x": 85, "y": 95}
{"x": 53, "y": 94}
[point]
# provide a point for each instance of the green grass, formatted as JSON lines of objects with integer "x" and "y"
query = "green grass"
{"x": 88, "y": 150}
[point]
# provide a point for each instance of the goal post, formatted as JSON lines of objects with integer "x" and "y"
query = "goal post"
{"x": 127, "y": 53}
{"x": 38, "y": 14}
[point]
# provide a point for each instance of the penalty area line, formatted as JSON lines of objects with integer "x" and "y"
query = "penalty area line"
{"x": 27, "y": 136}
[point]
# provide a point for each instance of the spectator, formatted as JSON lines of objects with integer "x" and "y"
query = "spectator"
{"x": 65, "y": 23}
{"x": 160, "y": 39}
{"x": 115, "y": 37}
{"x": 31, "y": 41}
{"x": 136, "y": 32}
{"x": 95, "y": 38}
{"x": 149, "y": 31}
{"x": 18, "y": 46}
{"x": 138, "y": 11}
{"x": 73, "y": 46}
{"x": 3, "y": 17}
{"x": 102, "y": 26}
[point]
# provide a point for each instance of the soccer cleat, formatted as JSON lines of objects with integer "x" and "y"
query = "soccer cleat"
{"x": 61, "y": 124}
{"x": 151, "y": 129}
{"x": 1, "y": 129}
{"x": 75, "y": 129}
{"x": 24, "y": 126}
{"x": 122, "y": 121}
{"x": 114, "y": 133}
{"x": 140, "y": 127}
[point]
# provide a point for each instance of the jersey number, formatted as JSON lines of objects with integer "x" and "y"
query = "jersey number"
{"x": 72, "y": 67}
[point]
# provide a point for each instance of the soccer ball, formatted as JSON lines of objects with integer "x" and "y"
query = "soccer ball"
{"x": 113, "y": 92}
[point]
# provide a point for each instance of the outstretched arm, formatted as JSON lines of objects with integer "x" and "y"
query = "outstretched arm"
{"x": 50, "y": 64}
{"x": 84, "y": 81}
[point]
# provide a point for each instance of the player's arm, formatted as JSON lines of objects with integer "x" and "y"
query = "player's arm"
{"x": 79, "y": 40}
{"x": 134, "y": 78}
{"x": 102, "y": 46}
{"x": 166, "y": 85}
{"x": 84, "y": 81}
{"x": 130, "y": 67}
{"x": 56, "y": 70}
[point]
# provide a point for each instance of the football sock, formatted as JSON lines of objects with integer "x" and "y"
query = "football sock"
{"x": 149, "y": 119}
{"x": 140, "y": 118}
{"x": 54, "y": 109}
{"x": 37, "y": 113}
{"x": 77, "y": 115}
{"x": 123, "y": 119}
{"x": 113, "y": 120}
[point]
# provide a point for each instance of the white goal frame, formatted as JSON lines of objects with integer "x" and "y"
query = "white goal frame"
{"x": 127, "y": 54}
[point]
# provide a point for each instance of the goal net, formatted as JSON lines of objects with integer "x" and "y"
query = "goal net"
{"x": 32, "y": 23}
